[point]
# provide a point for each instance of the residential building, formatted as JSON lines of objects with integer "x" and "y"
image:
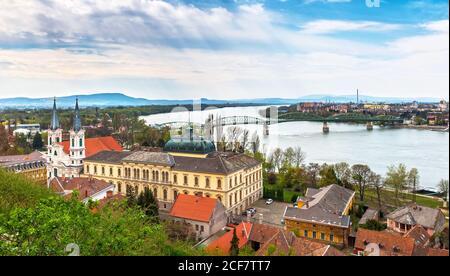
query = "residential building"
{"x": 405, "y": 218}
{"x": 30, "y": 165}
{"x": 65, "y": 158}
{"x": 369, "y": 214}
{"x": 270, "y": 240}
{"x": 222, "y": 245}
{"x": 89, "y": 189}
{"x": 323, "y": 214}
{"x": 190, "y": 167}
{"x": 205, "y": 215}
{"x": 375, "y": 243}
{"x": 416, "y": 242}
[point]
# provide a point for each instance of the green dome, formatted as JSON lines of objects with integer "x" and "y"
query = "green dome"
{"x": 192, "y": 146}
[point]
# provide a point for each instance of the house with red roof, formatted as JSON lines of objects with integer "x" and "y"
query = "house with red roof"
{"x": 205, "y": 215}
{"x": 65, "y": 158}
{"x": 87, "y": 188}
{"x": 222, "y": 245}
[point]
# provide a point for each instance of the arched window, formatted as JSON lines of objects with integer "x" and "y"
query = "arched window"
{"x": 185, "y": 180}
{"x": 119, "y": 187}
{"x": 155, "y": 192}
{"x": 175, "y": 179}
{"x": 219, "y": 184}
{"x": 165, "y": 194}
{"x": 175, "y": 194}
{"x": 219, "y": 198}
{"x": 196, "y": 181}
{"x": 207, "y": 182}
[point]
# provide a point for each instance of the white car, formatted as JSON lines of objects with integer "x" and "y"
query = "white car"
{"x": 269, "y": 201}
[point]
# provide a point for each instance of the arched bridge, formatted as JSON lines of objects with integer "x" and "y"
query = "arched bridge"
{"x": 222, "y": 121}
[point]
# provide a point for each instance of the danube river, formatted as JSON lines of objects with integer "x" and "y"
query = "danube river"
{"x": 426, "y": 150}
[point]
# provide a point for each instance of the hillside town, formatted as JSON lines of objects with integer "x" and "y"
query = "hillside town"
{"x": 224, "y": 203}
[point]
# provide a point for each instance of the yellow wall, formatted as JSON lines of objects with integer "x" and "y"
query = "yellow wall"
{"x": 236, "y": 197}
{"x": 340, "y": 234}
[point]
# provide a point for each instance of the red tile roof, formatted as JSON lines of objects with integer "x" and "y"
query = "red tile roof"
{"x": 437, "y": 252}
{"x": 194, "y": 208}
{"x": 96, "y": 145}
{"x": 222, "y": 245}
{"x": 86, "y": 187}
{"x": 391, "y": 244}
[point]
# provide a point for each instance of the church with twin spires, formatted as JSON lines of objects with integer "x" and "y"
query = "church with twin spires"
{"x": 65, "y": 157}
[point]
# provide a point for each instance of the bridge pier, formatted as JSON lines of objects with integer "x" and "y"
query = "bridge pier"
{"x": 325, "y": 128}
{"x": 369, "y": 126}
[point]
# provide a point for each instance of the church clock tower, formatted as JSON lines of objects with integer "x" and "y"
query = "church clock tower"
{"x": 54, "y": 138}
{"x": 77, "y": 140}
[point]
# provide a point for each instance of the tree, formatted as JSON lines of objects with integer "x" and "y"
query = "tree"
{"x": 255, "y": 144}
{"x": 147, "y": 202}
{"x": 288, "y": 157}
{"x": 377, "y": 183}
{"x": 374, "y": 225}
{"x": 443, "y": 188}
{"x": 277, "y": 157}
{"x": 343, "y": 174}
{"x": 397, "y": 179}
{"x": 299, "y": 156}
{"x": 360, "y": 176}
{"x": 313, "y": 171}
{"x": 234, "y": 249}
{"x": 413, "y": 181}
{"x": 4, "y": 145}
{"x": 37, "y": 141}
{"x": 327, "y": 175}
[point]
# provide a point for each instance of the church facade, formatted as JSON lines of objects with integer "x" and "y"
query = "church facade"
{"x": 65, "y": 158}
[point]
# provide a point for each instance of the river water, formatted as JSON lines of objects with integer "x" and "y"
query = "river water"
{"x": 426, "y": 150}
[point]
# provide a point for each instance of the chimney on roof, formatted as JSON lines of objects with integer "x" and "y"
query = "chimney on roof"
{"x": 109, "y": 194}
{"x": 243, "y": 232}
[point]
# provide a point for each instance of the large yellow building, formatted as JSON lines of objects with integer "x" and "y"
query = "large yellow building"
{"x": 30, "y": 165}
{"x": 186, "y": 166}
{"x": 323, "y": 214}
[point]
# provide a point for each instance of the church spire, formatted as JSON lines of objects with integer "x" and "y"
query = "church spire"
{"x": 54, "y": 124}
{"x": 77, "y": 118}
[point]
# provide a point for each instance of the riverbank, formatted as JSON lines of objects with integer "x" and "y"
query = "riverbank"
{"x": 423, "y": 127}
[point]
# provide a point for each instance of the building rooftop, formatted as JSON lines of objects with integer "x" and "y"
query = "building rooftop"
{"x": 414, "y": 214}
{"x": 13, "y": 160}
{"x": 194, "y": 208}
{"x": 222, "y": 245}
{"x": 86, "y": 187}
{"x": 96, "y": 145}
{"x": 326, "y": 207}
{"x": 214, "y": 163}
{"x": 390, "y": 244}
{"x": 190, "y": 146}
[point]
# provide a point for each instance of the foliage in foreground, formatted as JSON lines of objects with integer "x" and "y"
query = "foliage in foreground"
{"x": 35, "y": 222}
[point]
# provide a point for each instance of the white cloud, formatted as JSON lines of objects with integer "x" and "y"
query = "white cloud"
{"x": 211, "y": 53}
{"x": 333, "y": 26}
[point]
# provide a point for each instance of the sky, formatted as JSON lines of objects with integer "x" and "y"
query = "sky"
{"x": 224, "y": 49}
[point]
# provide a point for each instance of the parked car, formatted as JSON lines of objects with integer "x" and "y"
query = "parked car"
{"x": 269, "y": 201}
{"x": 251, "y": 210}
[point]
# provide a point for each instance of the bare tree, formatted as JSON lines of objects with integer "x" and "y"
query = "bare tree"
{"x": 233, "y": 135}
{"x": 255, "y": 144}
{"x": 299, "y": 156}
{"x": 245, "y": 141}
{"x": 313, "y": 172}
{"x": 443, "y": 188}
{"x": 277, "y": 157}
{"x": 377, "y": 183}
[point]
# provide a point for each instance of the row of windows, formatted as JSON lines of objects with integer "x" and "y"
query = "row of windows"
{"x": 314, "y": 235}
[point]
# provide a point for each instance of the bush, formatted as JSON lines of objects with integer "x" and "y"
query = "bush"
{"x": 374, "y": 225}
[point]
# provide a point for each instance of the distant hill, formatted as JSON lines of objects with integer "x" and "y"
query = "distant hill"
{"x": 119, "y": 99}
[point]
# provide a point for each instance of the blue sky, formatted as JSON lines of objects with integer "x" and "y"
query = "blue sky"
{"x": 224, "y": 48}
